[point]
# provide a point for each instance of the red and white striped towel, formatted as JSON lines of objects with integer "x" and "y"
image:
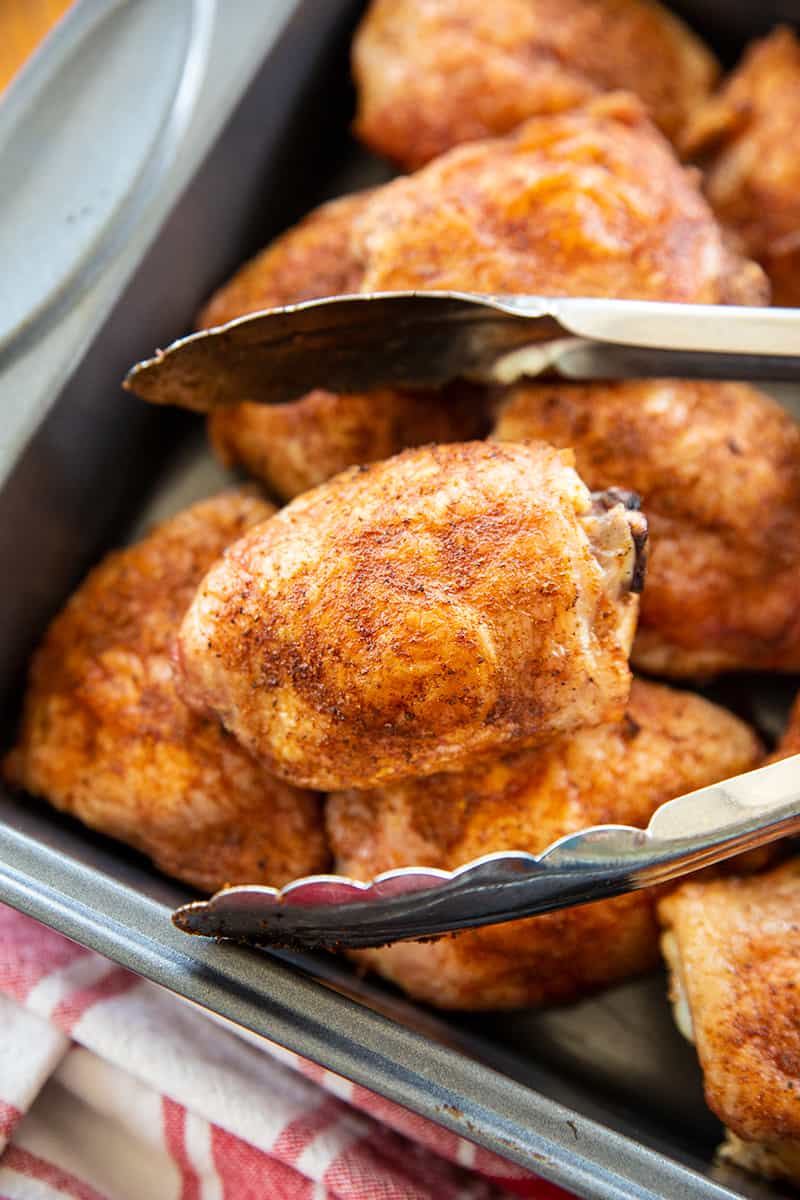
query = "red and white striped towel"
{"x": 113, "y": 1089}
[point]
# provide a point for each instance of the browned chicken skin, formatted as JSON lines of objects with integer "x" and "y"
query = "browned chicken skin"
{"x": 670, "y": 742}
{"x": 585, "y": 203}
{"x": 746, "y": 137}
{"x": 106, "y": 737}
{"x": 294, "y": 447}
{"x": 408, "y": 617}
{"x": 433, "y": 73}
{"x": 733, "y": 946}
{"x": 733, "y": 949}
{"x": 718, "y": 468}
{"x": 313, "y": 259}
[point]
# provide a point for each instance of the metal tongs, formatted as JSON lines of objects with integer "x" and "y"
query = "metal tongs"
{"x": 333, "y": 912}
{"x": 424, "y": 340}
{"x": 427, "y": 339}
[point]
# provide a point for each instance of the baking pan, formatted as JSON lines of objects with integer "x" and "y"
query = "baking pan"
{"x": 249, "y": 129}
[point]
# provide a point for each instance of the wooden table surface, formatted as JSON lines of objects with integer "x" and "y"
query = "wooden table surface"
{"x": 23, "y": 23}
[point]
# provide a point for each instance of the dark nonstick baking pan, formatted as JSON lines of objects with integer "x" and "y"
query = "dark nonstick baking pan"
{"x": 240, "y": 125}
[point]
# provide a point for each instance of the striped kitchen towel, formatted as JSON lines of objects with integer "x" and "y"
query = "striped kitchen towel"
{"x": 113, "y": 1089}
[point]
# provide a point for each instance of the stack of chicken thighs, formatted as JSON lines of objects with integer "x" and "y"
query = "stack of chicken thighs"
{"x": 425, "y": 652}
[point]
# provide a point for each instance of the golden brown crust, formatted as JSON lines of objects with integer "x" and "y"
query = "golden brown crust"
{"x": 590, "y": 202}
{"x": 106, "y": 737}
{"x": 718, "y": 468}
{"x": 724, "y": 937}
{"x": 670, "y": 742}
{"x": 433, "y": 73}
{"x": 746, "y": 137}
{"x": 406, "y": 617}
{"x": 294, "y": 447}
{"x": 736, "y": 943}
{"x": 312, "y": 259}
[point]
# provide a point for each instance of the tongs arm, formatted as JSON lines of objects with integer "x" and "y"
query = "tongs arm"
{"x": 334, "y": 912}
{"x": 426, "y": 339}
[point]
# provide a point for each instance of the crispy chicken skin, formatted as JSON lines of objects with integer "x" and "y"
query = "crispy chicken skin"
{"x": 310, "y": 260}
{"x": 294, "y": 447}
{"x": 585, "y": 203}
{"x": 106, "y": 737}
{"x": 433, "y": 73}
{"x": 717, "y": 466}
{"x": 409, "y": 617}
{"x": 733, "y": 948}
{"x": 669, "y": 742}
{"x": 746, "y": 137}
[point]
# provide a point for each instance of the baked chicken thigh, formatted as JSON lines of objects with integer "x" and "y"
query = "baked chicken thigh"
{"x": 668, "y": 743}
{"x": 415, "y": 615}
{"x": 294, "y": 447}
{"x": 585, "y": 203}
{"x": 106, "y": 737}
{"x": 733, "y": 948}
{"x": 746, "y": 138}
{"x": 717, "y": 466}
{"x": 590, "y": 202}
{"x": 433, "y": 73}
